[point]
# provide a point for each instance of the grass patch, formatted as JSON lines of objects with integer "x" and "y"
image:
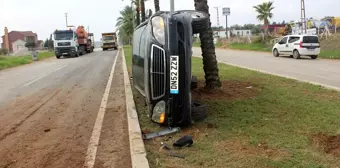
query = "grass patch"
{"x": 12, "y": 61}
{"x": 332, "y": 54}
{"x": 252, "y": 46}
{"x": 273, "y": 123}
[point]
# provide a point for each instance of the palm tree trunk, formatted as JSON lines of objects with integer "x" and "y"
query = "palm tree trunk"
{"x": 137, "y": 13}
{"x": 142, "y": 8}
{"x": 212, "y": 80}
{"x": 156, "y": 5}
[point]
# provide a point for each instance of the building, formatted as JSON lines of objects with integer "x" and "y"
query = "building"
{"x": 242, "y": 33}
{"x": 14, "y": 39}
{"x": 276, "y": 29}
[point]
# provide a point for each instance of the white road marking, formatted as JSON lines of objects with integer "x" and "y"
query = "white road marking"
{"x": 38, "y": 78}
{"x": 94, "y": 141}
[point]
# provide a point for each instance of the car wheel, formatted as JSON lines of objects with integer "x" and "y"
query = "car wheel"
{"x": 76, "y": 54}
{"x": 199, "y": 111}
{"x": 296, "y": 54}
{"x": 314, "y": 56}
{"x": 291, "y": 56}
{"x": 276, "y": 53}
{"x": 200, "y": 20}
{"x": 58, "y": 56}
{"x": 194, "y": 82}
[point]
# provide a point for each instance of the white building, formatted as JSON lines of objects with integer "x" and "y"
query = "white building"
{"x": 243, "y": 33}
{"x": 18, "y": 45}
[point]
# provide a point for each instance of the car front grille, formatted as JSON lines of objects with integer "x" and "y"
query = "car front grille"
{"x": 157, "y": 72}
{"x": 61, "y": 44}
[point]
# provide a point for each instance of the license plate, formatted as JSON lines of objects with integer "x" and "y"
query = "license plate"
{"x": 310, "y": 49}
{"x": 174, "y": 74}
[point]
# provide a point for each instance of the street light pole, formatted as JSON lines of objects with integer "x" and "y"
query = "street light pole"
{"x": 66, "y": 19}
{"x": 172, "y": 6}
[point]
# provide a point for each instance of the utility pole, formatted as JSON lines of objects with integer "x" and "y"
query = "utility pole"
{"x": 303, "y": 17}
{"x": 66, "y": 19}
{"x": 218, "y": 21}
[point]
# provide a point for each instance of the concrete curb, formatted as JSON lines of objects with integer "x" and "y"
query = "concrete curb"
{"x": 284, "y": 76}
{"x": 137, "y": 149}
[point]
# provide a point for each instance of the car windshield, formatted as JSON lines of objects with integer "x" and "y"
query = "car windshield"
{"x": 310, "y": 39}
{"x": 63, "y": 35}
{"x": 108, "y": 38}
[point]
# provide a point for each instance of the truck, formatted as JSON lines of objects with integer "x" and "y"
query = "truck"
{"x": 70, "y": 42}
{"x": 109, "y": 40}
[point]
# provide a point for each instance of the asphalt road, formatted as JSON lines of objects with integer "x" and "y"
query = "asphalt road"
{"x": 48, "y": 110}
{"x": 321, "y": 71}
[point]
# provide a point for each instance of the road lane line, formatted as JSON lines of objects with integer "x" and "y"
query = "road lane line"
{"x": 94, "y": 141}
{"x": 38, "y": 78}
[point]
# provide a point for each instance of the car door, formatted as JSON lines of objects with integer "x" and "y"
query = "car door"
{"x": 282, "y": 45}
{"x": 290, "y": 45}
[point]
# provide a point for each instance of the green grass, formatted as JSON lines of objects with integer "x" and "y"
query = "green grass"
{"x": 12, "y": 61}
{"x": 335, "y": 54}
{"x": 252, "y": 46}
{"x": 273, "y": 128}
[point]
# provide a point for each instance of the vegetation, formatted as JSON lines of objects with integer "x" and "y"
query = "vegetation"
{"x": 30, "y": 44}
{"x": 212, "y": 80}
{"x": 3, "y": 51}
{"x": 142, "y": 9}
{"x": 125, "y": 24}
{"x": 12, "y": 61}
{"x": 156, "y": 3}
{"x": 256, "y": 121}
{"x": 264, "y": 11}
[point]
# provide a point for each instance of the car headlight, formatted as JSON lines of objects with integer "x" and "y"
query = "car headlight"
{"x": 158, "y": 29}
{"x": 158, "y": 112}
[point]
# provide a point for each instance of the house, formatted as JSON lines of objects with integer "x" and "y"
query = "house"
{"x": 14, "y": 39}
{"x": 242, "y": 33}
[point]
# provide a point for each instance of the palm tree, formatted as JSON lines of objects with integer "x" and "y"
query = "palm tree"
{"x": 264, "y": 11}
{"x": 210, "y": 67}
{"x": 136, "y": 2}
{"x": 156, "y": 2}
{"x": 142, "y": 9}
{"x": 125, "y": 23}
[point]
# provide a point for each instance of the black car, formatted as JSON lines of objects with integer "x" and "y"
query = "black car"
{"x": 162, "y": 51}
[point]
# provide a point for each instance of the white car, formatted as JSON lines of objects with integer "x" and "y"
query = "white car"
{"x": 298, "y": 45}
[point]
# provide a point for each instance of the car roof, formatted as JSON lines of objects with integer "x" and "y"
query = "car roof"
{"x": 300, "y": 35}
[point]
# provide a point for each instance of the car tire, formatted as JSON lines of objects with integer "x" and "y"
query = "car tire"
{"x": 194, "y": 82}
{"x": 291, "y": 56}
{"x": 276, "y": 53}
{"x": 296, "y": 54}
{"x": 77, "y": 54}
{"x": 58, "y": 56}
{"x": 200, "y": 21}
{"x": 199, "y": 111}
{"x": 314, "y": 56}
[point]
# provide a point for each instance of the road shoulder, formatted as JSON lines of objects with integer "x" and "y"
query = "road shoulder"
{"x": 137, "y": 149}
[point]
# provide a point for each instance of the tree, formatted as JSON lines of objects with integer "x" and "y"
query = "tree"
{"x": 137, "y": 12}
{"x": 156, "y": 2}
{"x": 125, "y": 23}
{"x": 264, "y": 11}
{"x": 142, "y": 9}
{"x": 46, "y": 43}
{"x": 30, "y": 44}
{"x": 210, "y": 67}
{"x": 50, "y": 43}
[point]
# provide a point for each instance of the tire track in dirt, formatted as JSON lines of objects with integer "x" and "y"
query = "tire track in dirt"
{"x": 12, "y": 128}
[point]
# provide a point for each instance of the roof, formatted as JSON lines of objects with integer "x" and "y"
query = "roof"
{"x": 25, "y": 33}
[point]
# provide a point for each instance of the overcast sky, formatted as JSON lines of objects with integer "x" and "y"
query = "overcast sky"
{"x": 44, "y": 16}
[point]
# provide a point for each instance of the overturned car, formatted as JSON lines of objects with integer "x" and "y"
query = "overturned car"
{"x": 161, "y": 64}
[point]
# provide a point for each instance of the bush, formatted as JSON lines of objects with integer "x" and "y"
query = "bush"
{"x": 3, "y": 51}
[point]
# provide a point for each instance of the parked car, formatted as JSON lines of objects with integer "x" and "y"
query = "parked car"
{"x": 297, "y": 46}
{"x": 161, "y": 64}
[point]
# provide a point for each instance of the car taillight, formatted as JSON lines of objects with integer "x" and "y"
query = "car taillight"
{"x": 301, "y": 44}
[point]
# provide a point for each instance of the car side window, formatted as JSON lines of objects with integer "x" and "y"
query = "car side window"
{"x": 284, "y": 40}
{"x": 293, "y": 39}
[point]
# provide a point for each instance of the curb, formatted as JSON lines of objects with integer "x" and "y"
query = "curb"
{"x": 137, "y": 149}
{"x": 284, "y": 76}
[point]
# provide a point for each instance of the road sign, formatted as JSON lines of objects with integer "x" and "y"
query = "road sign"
{"x": 226, "y": 11}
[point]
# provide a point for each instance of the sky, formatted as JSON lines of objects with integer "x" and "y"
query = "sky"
{"x": 44, "y": 16}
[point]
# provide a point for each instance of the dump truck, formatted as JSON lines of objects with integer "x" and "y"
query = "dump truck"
{"x": 109, "y": 40}
{"x": 70, "y": 42}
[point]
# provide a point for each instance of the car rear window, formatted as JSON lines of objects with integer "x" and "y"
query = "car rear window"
{"x": 310, "y": 39}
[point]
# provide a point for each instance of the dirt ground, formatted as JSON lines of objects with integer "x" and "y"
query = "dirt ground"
{"x": 231, "y": 90}
{"x": 329, "y": 144}
{"x": 52, "y": 127}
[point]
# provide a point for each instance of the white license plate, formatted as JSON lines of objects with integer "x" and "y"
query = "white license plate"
{"x": 174, "y": 65}
{"x": 310, "y": 49}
